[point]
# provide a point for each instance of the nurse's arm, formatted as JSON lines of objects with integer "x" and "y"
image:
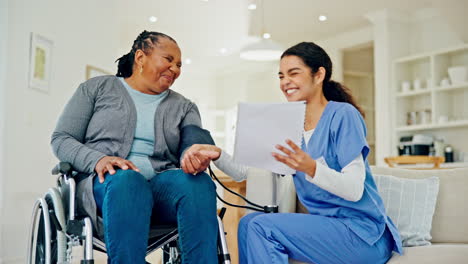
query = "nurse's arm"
{"x": 347, "y": 183}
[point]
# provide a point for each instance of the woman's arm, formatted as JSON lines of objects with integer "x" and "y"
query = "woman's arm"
{"x": 223, "y": 161}
{"x": 226, "y": 163}
{"x": 69, "y": 135}
{"x": 192, "y": 137}
{"x": 332, "y": 181}
{"x": 347, "y": 184}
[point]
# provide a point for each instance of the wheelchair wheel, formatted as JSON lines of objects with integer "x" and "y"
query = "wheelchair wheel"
{"x": 171, "y": 253}
{"x": 41, "y": 238}
{"x": 43, "y": 235}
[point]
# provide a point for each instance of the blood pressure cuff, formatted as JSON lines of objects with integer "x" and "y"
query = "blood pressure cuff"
{"x": 192, "y": 134}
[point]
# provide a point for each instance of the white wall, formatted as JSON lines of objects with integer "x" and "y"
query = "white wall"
{"x": 3, "y": 75}
{"x": 199, "y": 86}
{"x": 82, "y": 34}
{"x": 248, "y": 82}
{"x": 429, "y": 31}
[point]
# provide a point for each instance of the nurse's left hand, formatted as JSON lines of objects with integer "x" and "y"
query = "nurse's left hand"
{"x": 296, "y": 158}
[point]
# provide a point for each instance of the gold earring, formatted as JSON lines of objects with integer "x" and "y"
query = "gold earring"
{"x": 141, "y": 69}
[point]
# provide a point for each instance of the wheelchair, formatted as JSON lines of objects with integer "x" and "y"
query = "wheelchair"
{"x": 56, "y": 228}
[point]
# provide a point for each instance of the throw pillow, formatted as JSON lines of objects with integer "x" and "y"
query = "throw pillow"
{"x": 410, "y": 203}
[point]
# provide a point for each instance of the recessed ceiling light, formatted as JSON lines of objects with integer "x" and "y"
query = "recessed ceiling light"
{"x": 153, "y": 19}
{"x": 252, "y": 7}
{"x": 188, "y": 61}
{"x": 322, "y": 18}
{"x": 223, "y": 50}
{"x": 266, "y": 35}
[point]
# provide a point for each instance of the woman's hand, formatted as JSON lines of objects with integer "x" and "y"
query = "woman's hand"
{"x": 296, "y": 159}
{"x": 108, "y": 163}
{"x": 197, "y": 158}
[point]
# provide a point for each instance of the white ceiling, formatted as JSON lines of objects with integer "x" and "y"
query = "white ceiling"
{"x": 202, "y": 28}
{"x": 295, "y": 20}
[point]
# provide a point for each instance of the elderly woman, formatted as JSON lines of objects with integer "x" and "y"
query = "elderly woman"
{"x": 126, "y": 134}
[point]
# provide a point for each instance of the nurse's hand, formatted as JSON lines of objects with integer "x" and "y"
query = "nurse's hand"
{"x": 296, "y": 158}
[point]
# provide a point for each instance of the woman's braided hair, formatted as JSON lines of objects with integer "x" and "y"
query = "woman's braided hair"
{"x": 146, "y": 42}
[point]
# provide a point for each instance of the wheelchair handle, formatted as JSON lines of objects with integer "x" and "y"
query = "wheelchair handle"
{"x": 64, "y": 168}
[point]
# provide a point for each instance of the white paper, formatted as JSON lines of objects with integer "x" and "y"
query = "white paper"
{"x": 260, "y": 127}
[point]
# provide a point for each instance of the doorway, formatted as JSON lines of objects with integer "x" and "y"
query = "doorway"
{"x": 358, "y": 76}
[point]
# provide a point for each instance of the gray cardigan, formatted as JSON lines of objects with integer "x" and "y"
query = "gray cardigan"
{"x": 100, "y": 120}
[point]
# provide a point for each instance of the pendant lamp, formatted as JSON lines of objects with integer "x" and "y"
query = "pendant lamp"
{"x": 263, "y": 50}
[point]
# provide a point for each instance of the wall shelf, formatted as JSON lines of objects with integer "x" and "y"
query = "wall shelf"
{"x": 452, "y": 87}
{"x": 449, "y": 124}
{"x": 441, "y": 112}
{"x": 414, "y": 93}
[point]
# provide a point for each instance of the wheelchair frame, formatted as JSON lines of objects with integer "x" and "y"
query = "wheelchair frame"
{"x": 56, "y": 229}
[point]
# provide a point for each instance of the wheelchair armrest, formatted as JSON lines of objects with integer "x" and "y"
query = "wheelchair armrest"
{"x": 64, "y": 168}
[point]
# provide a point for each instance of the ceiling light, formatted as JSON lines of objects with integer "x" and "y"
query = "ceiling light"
{"x": 153, "y": 19}
{"x": 252, "y": 7}
{"x": 322, "y": 18}
{"x": 188, "y": 61}
{"x": 263, "y": 50}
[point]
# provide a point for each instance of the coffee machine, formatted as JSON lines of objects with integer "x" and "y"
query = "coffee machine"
{"x": 417, "y": 144}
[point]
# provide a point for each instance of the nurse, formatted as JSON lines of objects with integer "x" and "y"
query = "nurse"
{"x": 346, "y": 220}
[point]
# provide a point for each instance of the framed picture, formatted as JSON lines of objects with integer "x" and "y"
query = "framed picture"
{"x": 92, "y": 71}
{"x": 40, "y": 62}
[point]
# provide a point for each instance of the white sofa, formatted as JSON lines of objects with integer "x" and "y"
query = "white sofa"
{"x": 449, "y": 226}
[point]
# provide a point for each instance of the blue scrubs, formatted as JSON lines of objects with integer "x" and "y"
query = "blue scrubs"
{"x": 336, "y": 230}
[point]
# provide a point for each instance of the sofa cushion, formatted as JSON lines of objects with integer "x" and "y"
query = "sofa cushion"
{"x": 434, "y": 254}
{"x": 449, "y": 224}
{"x": 410, "y": 203}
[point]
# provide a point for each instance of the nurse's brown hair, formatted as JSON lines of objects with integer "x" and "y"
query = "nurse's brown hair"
{"x": 315, "y": 57}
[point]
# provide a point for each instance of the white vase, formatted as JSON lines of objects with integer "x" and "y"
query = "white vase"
{"x": 458, "y": 74}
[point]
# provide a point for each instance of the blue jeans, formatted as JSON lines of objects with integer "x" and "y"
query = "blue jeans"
{"x": 129, "y": 204}
{"x": 274, "y": 238}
